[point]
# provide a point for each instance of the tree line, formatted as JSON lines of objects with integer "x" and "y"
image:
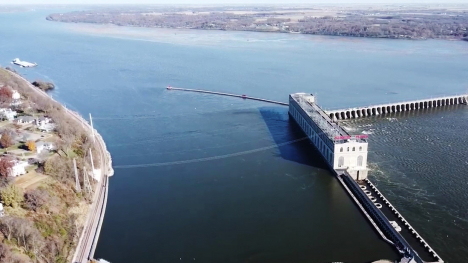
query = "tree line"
{"x": 407, "y": 24}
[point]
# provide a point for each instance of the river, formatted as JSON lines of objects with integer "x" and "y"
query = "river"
{"x": 216, "y": 179}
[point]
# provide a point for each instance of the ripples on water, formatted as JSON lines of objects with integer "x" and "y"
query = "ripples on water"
{"x": 418, "y": 160}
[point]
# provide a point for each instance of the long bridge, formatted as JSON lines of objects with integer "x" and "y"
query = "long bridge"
{"x": 360, "y": 112}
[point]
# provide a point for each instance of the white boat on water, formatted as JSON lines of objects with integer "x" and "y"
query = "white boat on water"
{"x": 23, "y": 64}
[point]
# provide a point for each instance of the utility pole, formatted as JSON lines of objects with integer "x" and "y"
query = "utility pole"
{"x": 92, "y": 127}
{"x": 77, "y": 180}
{"x": 92, "y": 162}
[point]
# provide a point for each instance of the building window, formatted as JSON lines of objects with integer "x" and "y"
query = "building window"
{"x": 341, "y": 149}
{"x": 347, "y": 149}
{"x": 360, "y": 148}
{"x": 359, "y": 160}
{"x": 341, "y": 161}
{"x": 354, "y": 149}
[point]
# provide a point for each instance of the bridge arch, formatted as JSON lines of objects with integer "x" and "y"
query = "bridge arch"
{"x": 394, "y": 108}
{"x": 389, "y": 109}
{"x": 451, "y": 101}
{"x": 353, "y": 114}
{"x": 343, "y": 116}
{"x": 369, "y": 112}
{"x": 398, "y": 108}
{"x": 374, "y": 111}
{"x": 421, "y": 105}
{"x": 412, "y": 106}
{"x": 337, "y": 116}
{"x": 363, "y": 112}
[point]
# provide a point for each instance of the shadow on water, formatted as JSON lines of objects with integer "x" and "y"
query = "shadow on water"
{"x": 284, "y": 129}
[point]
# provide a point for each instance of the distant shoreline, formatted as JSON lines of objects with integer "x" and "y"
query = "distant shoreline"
{"x": 386, "y": 23}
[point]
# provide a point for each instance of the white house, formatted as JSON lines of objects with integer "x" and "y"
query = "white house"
{"x": 8, "y": 114}
{"x": 2, "y": 213}
{"x": 15, "y": 95}
{"x": 25, "y": 120}
{"x": 19, "y": 168}
{"x": 48, "y": 127}
{"x": 41, "y": 146}
{"x": 42, "y": 121}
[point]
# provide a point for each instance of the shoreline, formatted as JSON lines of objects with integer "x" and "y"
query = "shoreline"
{"x": 255, "y": 31}
{"x": 85, "y": 247}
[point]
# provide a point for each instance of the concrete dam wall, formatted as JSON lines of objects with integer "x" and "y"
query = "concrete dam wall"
{"x": 361, "y": 112}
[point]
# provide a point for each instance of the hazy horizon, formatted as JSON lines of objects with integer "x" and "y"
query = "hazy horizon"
{"x": 223, "y": 2}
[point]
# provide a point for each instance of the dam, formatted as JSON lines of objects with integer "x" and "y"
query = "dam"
{"x": 346, "y": 156}
{"x": 360, "y": 112}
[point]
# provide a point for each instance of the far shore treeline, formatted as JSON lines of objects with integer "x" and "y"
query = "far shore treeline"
{"x": 397, "y": 22}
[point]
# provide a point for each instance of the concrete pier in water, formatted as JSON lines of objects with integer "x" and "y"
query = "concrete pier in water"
{"x": 360, "y": 112}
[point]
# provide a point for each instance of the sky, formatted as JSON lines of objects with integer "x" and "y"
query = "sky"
{"x": 168, "y": 2}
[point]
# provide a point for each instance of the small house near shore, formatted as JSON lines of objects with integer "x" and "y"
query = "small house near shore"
{"x": 7, "y": 114}
{"x": 44, "y": 146}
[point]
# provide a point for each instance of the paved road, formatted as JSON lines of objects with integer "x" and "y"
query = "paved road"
{"x": 90, "y": 234}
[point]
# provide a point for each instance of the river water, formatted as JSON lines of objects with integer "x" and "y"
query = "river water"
{"x": 215, "y": 179}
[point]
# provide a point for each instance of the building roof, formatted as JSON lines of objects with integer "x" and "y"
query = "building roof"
{"x": 26, "y": 118}
{"x": 332, "y": 129}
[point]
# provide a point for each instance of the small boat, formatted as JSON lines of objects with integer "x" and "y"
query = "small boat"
{"x": 23, "y": 64}
{"x": 169, "y": 87}
{"x": 244, "y": 96}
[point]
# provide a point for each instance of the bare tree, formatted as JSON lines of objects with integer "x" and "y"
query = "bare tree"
{"x": 35, "y": 199}
{"x": 7, "y": 138}
{"x": 6, "y": 96}
{"x": 6, "y": 164}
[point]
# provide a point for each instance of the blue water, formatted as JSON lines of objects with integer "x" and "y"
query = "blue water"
{"x": 212, "y": 186}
